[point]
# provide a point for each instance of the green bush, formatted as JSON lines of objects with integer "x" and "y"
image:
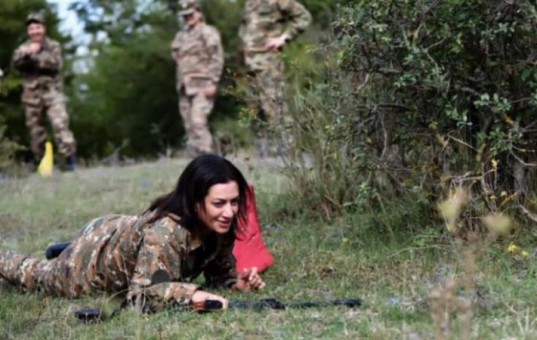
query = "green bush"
{"x": 8, "y": 149}
{"x": 421, "y": 97}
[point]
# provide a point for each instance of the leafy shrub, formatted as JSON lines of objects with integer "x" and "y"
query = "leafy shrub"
{"x": 422, "y": 97}
{"x": 8, "y": 149}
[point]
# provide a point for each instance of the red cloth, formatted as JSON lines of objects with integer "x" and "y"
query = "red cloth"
{"x": 250, "y": 250}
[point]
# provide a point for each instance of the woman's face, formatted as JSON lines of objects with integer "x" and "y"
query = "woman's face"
{"x": 221, "y": 206}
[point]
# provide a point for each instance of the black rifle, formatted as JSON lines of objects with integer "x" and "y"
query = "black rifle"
{"x": 90, "y": 315}
{"x": 275, "y": 304}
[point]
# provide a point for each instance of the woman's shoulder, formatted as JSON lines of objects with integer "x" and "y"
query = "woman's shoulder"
{"x": 166, "y": 228}
{"x": 109, "y": 222}
{"x": 168, "y": 220}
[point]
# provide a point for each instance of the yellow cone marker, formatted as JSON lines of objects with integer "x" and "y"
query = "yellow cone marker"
{"x": 46, "y": 166}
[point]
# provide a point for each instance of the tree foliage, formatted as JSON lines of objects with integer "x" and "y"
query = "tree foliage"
{"x": 128, "y": 97}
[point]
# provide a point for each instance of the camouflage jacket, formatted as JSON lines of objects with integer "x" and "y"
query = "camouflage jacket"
{"x": 199, "y": 57}
{"x": 120, "y": 254}
{"x": 41, "y": 68}
{"x": 263, "y": 19}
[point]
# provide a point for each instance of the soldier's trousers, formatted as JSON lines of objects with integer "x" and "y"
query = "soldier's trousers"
{"x": 267, "y": 86}
{"x": 25, "y": 271}
{"x": 51, "y": 105}
{"x": 56, "y": 277}
{"x": 195, "y": 111}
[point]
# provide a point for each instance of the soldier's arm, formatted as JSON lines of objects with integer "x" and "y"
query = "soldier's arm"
{"x": 175, "y": 53}
{"x": 221, "y": 271}
{"x": 22, "y": 59}
{"x": 50, "y": 58}
{"x": 242, "y": 27}
{"x": 299, "y": 18}
{"x": 216, "y": 52}
{"x": 175, "y": 47}
{"x": 158, "y": 254}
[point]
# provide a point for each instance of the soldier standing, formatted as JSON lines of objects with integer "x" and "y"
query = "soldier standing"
{"x": 199, "y": 57}
{"x": 267, "y": 25}
{"x": 40, "y": 61}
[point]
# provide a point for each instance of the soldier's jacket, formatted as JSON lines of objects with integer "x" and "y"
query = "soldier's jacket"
{"x": 120, "y": 254}
{"x": 40, "y": 71}
{"x": 199, "y": 57}
{"x": 263, "y": 19}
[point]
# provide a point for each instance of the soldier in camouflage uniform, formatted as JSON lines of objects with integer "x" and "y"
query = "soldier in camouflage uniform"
{"x": 184, "y": 233}
{"x": 267, "y": 25}
{"x": 198, "y": 54}
{"x": 40, "y": 62}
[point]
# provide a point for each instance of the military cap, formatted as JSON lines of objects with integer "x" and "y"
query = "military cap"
{"x": 35, "y": 18}
{"x": 188, "y": 7}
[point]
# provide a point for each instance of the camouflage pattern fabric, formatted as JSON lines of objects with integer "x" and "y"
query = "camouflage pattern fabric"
{"x": 43, "y": 95}
{"x": 261, "y": 20}
{"x": 119, "y": 254}
{"x": 199, "y": 58}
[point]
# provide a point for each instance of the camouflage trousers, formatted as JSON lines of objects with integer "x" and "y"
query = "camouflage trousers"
{"x": 49, "y": 104}
{"x": 195, "y": 111}
{"x": 267, "y": 96}
{"x": 266, "y": 87}
{"x": 65, "y": 275}
{"x": 27, "y": 272}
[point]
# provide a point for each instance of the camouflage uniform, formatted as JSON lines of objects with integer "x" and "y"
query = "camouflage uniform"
{"x": 120, "y": 254}
{"x": 261, "y": 20}
{"x": 199, "y": 57}
{"x": 43, "y": 92}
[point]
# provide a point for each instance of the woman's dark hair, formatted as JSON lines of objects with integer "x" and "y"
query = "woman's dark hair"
{"x": 193, "y": 186}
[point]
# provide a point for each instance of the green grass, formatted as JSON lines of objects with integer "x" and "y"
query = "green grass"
{"x": 364, "y": 256}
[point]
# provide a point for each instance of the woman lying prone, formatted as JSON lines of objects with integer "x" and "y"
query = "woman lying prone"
{"x": 182, "y": 234}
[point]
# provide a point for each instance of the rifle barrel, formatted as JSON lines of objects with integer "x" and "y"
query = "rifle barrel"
{"x": 275, "y": 304}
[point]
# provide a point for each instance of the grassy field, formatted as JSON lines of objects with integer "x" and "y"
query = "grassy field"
{"x": 415, "y": 285}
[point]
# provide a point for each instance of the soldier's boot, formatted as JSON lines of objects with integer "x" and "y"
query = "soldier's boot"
{"x": 262, "y": 147}
{"x": 193, "y": 151}
{"x": 56, "y": 249}
{"x": 71, "y": 163}
{"x": 18, "y": 269}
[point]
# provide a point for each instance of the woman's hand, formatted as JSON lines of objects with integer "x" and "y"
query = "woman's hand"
{"x": 249, "y": 280}
{"x": 199, "y": 297}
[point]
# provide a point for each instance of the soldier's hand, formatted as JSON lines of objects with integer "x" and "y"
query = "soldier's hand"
{"x": 198, "y": 299}
{"x": 34, "y": 47}
{"x": 210, "y": 92}
{"x": 275, "y": 44}
{"x": 26, "y": 49}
